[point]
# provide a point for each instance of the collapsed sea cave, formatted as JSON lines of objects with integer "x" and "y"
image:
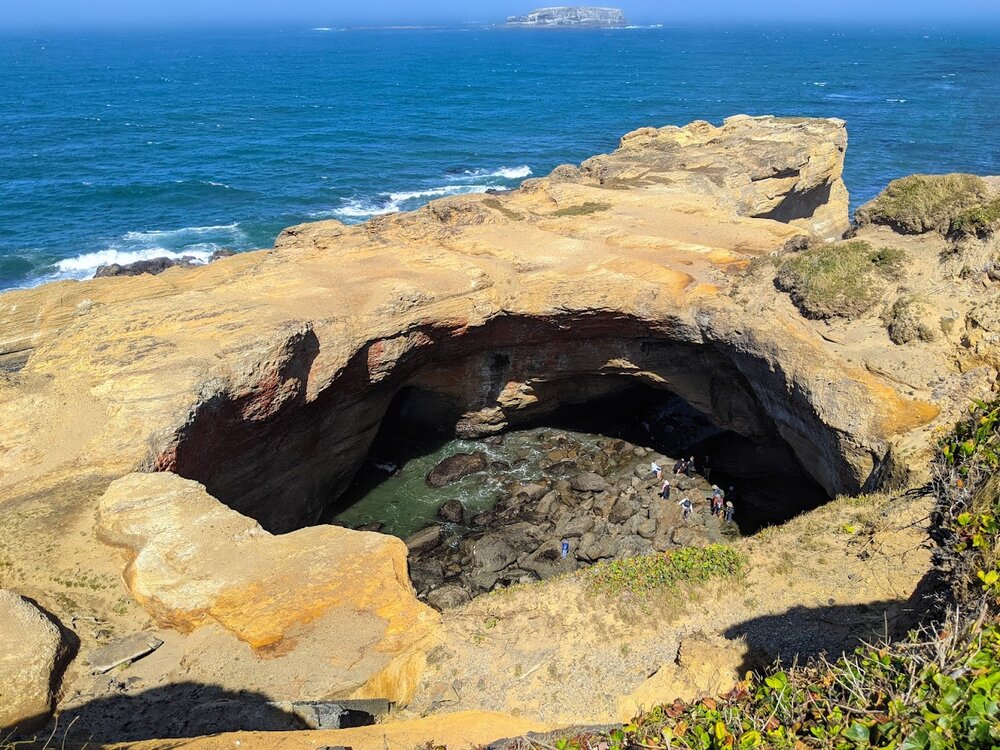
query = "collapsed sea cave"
{"x": 612, "y": 391}
{"x": 478, "y": 514}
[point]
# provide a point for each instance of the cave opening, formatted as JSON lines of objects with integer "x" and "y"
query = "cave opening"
{"x": 763, "y": 477}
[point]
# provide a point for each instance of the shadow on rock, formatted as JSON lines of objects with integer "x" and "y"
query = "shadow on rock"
{"x": 173, "y": 711}
{"x": 802, "y": 633}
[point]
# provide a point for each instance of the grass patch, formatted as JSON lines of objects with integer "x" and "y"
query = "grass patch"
{"x": 582, "y": 210}
{"x": 496, "y": 205}
{"x": 642, "y": 576}
{"x": 844, "y": 279}
{"x": 924, "y": 203}
{"x": 978, "y": 221}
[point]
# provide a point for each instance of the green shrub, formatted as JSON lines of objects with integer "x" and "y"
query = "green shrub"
{"x": 843, "y": 279}
{"x": 979, "y": 221}
{"x": 924, "y": 203}
{"x": 646, "y": 574}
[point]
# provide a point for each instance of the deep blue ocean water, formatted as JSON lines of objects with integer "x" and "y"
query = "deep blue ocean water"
{"x": 118, "y": 146}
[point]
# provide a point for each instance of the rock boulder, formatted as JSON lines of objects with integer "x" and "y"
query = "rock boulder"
{"x": 32, "y": 656}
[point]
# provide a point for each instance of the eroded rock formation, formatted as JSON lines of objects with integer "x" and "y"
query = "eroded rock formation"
{"x": 264, "y": 376}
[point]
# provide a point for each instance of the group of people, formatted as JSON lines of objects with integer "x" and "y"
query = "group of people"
{"x": 719, "y": 505}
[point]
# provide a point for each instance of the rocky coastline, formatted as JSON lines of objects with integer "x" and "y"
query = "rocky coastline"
{"x": 159, "y": 432}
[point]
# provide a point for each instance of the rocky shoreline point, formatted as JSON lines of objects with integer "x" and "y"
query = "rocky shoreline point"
{"x": 605, "y": 503}
{"x": 169, "y": 442}
{"x": 565, "y": 16}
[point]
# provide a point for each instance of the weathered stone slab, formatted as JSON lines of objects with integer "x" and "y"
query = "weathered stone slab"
{"x": 123, "y": 651}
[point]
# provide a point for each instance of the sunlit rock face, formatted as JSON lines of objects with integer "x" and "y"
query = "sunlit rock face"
{"x": 259, "y": 382}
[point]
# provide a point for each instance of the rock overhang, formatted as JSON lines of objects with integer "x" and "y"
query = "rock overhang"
{"x": 265, "y": 375}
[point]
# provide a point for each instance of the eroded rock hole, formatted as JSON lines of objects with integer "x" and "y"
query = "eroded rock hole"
{"x": 487, "y": 512}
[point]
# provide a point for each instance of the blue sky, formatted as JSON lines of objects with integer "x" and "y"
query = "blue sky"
{"x": 91, "y": 13}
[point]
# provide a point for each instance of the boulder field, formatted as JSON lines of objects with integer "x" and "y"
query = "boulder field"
{"x": 165, "y": 440}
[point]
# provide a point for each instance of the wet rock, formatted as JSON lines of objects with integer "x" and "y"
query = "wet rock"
{"x": 484, "y": 581}
{"x": 547, "y": 561}
{"x": 484, "y": 519}
{"x": 593, "y": 548}
{"x": 448, "y": 597}
{"x": 546, "y": 505}
{"x": 152, "y": 266}
{"x": 623, "y": 509}
{"x": 123, "y": 651}
{"x": 532, "y": 491}
{"x": 376, "y": 527}
{"x": 424, "y": 540}
{"x": 588, "y": 481}
{"x": 492, "y": 553}
{"x": 457, "y": 467}
{"x": 451, "y": 512}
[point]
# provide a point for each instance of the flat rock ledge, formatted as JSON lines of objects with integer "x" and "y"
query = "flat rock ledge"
{"x": 316, "y": 607}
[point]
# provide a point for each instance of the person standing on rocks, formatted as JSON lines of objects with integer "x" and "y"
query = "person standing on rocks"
{"x": 730, "y": 511}
{"x": 706, "y": 468}
{"x": 656, "y": 469}
{"x": 564, "y": 548}
{"x": 679, "y": 466}
{"x": 665, "y": 489}
{"x": 689, "y": 467}
{"x": 686, "y": 507}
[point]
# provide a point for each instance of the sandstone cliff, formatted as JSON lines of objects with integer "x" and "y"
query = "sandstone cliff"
{"x": 263, "y": 378}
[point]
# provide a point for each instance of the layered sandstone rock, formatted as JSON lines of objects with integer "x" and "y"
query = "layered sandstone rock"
{"x": 323, "y": 608}
{"x": 265, "y": 376}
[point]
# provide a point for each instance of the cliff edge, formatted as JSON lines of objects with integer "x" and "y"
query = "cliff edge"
{"x": 689, "y": 260}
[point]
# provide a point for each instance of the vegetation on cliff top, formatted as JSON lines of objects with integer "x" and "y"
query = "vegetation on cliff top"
{"x": 980, "y": 221}
{"x": 842, "y": 279}
{"x": 643, "y": 575}
{"x": 939, "y": 688}
{"x": 924, "y": 203}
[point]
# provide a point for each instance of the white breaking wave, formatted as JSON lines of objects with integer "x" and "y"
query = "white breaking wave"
{"x": 390, "y": 203}
{"x": 466, "y": 182}
{"x": 162, "y": 235}
{"x": 506, "y": 173}
{"x": 196, "y": 243}
{"x": 84, "y": 266}
{"x": 437, "y": 192}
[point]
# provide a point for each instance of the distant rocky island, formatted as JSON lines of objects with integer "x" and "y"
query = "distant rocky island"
{"x": 570, "y": 16}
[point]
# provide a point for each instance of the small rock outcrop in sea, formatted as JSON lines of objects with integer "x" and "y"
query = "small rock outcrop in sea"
{"x": 570, "y": 16}
{"x": 154, "y": 266}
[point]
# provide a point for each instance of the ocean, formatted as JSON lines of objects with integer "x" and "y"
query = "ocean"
{"x": 128, "y": 145}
